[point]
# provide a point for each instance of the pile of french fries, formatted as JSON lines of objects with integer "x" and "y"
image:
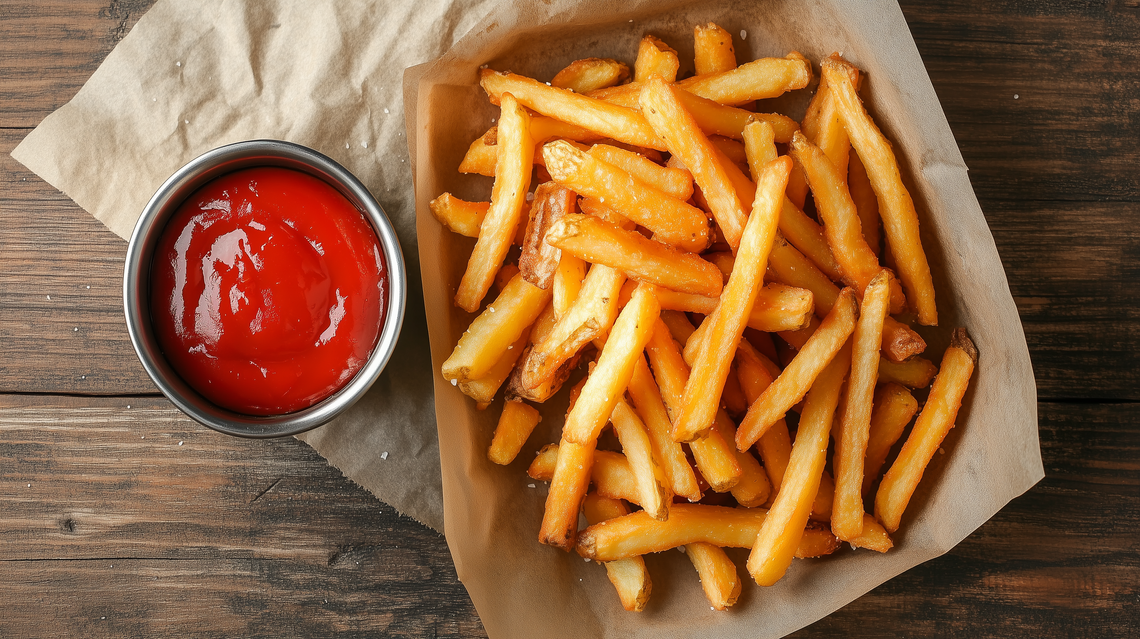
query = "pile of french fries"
{"x": 730, "y": 339}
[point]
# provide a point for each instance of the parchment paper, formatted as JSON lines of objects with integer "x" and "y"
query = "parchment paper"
{"x": 524, "y": 589}
{"x": 194, "y": 75}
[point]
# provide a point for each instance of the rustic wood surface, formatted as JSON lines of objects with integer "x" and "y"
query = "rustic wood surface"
{"x": 119, "y": 517}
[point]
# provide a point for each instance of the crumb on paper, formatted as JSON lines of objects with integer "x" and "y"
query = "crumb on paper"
{"x": 29, "y": 485}
{"x": 347, "y": 145}
{"x": 385, "y": 109}
{"x": 364, "y": 144}
{"x": 49, "y": 297}
{"x": 179, "y": 443}
{"x": 455, "y": 382}
{"x": 586, "y": 559}
{"x": 743, "y": 34}
{"x": 528, "y": 485}
{"x": 178, "y": 63}
{"x": 682, "y": 549}
{"x": 128, "y": 405}
{"x": 384, "y": 455}
{"x": 75, "y": 330}
{"x": 1015, "y": 96}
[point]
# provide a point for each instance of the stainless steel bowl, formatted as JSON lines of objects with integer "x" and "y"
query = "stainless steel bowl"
{"x": 136, "y": 284}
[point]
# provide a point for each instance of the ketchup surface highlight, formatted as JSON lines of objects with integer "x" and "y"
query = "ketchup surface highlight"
{"x": 268, "y": 290}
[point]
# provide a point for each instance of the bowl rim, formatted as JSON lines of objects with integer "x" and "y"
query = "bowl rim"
{"x": 136, "y": 278}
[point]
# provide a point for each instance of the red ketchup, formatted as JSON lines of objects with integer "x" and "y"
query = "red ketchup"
{"x": 268, "y": 290}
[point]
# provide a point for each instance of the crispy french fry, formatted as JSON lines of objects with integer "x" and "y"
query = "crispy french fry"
{"x": 894, "y": 406}
{"x": 606, "y": 119}
{"x": 840, "y": 219}
{"x": 863, "y": 196}
{"x": 823, "y": 127}
{"x": 679, "y": 325}
{"x": 629, "y": 576}
{"x": 640, "y": 258}
{"x": 732, "y": 397}
{"x": 821, "y": 507}
{"x": 567, "y": 282}
{"x": 703, "y": 390}
{"x": 803, "y": 233}
{"x": 786, "y": 264}
{"x": 590, "y": 206}
{"x": 931, "y": 427}
{"x": 916, "y": 372}
{"x": 756, "y": 373}
{"x": 716, "y": 119}
{"x": 539, "y": 260}
{"x": 589, "y": 74}
{"x": 610, "y": 472}
{"x": 717, "y": 574}
{"x": 507, "y": 198}
{"x": 515, "y": 426}
{"x": 671, "y": 220}
{"x": 608, "y": 381}
{"x": 753, "y": 487}
{"x": 778, "y": 307}
{"x": 895, "y": 204}
{"x": 874, "y": 536}
{"x": 795, "y": 380}
{"x": 483, "y": 153}
{"x": 900, "y": 342}
{"x": 677, "y": 183}
{"x": 639, "y": 534}
{"x": 712, "y": 49}
{"x": 591, "y": 315}
{"x": 651, "y": 408}
{"x": 850, "y": 449}
{"x": 756, "y": 80}
{"x": 654, "y": 57}
{"x": 733, "y": 151}
{"x": 567, "y": 489}
{"x": 483, "y": 389}
{"x": 685, "y": 140}
{"x": 776, "y": 543}
{"x": 652, "y": 488}
{"x": 459, "y": 216}
{"x": 496, "y": 328}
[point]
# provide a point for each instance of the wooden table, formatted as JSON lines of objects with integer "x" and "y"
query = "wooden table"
{"x": 120, "y": 517}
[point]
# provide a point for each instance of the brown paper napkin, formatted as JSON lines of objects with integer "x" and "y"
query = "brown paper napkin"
{"x": 194, "y": 75}
{"x": 524, "y": 589}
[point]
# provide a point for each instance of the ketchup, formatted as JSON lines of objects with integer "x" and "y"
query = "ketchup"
{"x": 268, "y": 290}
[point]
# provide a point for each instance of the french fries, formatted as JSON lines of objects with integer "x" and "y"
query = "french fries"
{"x": 931, "y": 427}
{"x": 622, "y": 253}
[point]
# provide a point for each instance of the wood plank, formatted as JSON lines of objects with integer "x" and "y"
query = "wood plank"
{"x": 61, "y": 273}
{"x": 49, "y": 48}
{"x": 163, "y": 527}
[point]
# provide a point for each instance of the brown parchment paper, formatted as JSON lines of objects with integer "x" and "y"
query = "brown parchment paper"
{"x": 194, "y": 75}
{"x": 524, "y": 589}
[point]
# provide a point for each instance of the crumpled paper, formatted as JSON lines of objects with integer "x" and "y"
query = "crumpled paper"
{"x": 524, "y": 589}
{"x": 192, "y": 76}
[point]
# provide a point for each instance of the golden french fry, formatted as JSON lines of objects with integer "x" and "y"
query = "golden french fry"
{"x": 639, "y": 534}
{"x": 894, "y": 406}
{"x": 567, "y": 489}
{"x": 821, "y": 507}
{"x": 900, "y": 342}
{"x": 678, "y": 324}
{"x": 803, "y": 233}
{"x": 655, "y": 495}
{"x": 677, "y": 183}
{"x": 703, "y": 390}
{"x": 865, "y": 202}
{"x": 874, "y": 536}
{"x": 684, "y": 139}
{"x": 895, "y": 204}
{"x": 850, "y": 449}
{"x": 599, "y": 242}
{"x": 776, "y": 543}
{"x": 778, "y": 307}
{"x": 822, "y": 126}
{"x": 610, "y": 472}
{"x": 916, "y": 372}
{"x": 671, "y": 220}
{"x": 714, "y": 457}
{"x": 786, "y": 264}
{"x": 717, "y": 574}
{"x": 756, "y": 373}
{"x": 837, "y": 212}
{"x": 606, "y": 119}
{"x": 567, "y": 282}
{"x": 591, "y": 315}
{"x": 608, "y": 381}
{"x": 795, "y": 380}
{"x": 732, "y": 397}
{"x": 589, "y": 74}
{"x": 483, "y": 389}
{"x": 654, "y": 57}
{"x": 459, "y": 216}
{"x": 508, "y": 195}
{"x": 539, "y": 260}
{"x": 716, "y": 119}
{"x": 931, "y": 427}
{"x": 756, "y": 80}
{"x": 651, "y": 408}
{"x": 629, "y": 576}
{"x": 515, "y": 426}
{"x": 712, "y": 49}
{"x": 752, "y": 489}
{"x": 482, "y": 155}
{"x": 496, "y": 328}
